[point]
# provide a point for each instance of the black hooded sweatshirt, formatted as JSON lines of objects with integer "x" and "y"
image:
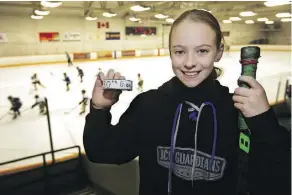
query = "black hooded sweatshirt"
{"x": 157, "y": 119}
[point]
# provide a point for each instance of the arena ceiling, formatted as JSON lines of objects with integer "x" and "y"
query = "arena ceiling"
{"x": 223, "y": 10}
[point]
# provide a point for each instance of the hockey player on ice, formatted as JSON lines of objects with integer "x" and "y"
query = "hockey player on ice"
{"x": 41, "y": 103}
{"x": 36, "y": 81}
{"x": 16, "y": 105}
{"x": 140, "y": 83}
{"x": 80, "y": 74}
{"x": 67, "y": 81}
{"x": 83, "y": 102}
{"x": 69, "y": 59}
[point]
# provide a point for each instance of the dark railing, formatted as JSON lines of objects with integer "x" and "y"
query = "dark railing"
{"x": 43, "y": 155}
{"x": 41, "y": 175}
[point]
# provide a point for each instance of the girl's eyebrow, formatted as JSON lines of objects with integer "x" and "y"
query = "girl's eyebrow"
{"x": 195, "y": 47}
{"x": 177, "y": 46}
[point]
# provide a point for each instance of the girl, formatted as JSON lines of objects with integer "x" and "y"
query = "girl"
{"x": 184, "y": 148}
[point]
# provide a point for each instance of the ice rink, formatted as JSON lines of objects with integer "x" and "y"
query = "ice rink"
{"x": 28, "y": 135}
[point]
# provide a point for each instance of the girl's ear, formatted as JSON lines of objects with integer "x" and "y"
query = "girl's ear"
{"x": 219, "y": 53}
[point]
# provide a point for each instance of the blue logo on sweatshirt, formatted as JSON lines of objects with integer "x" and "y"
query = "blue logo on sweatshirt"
{"x": 193, "y": 116}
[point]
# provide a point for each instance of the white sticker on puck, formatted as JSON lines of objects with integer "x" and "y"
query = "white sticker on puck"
{"x": 119, "y": 84}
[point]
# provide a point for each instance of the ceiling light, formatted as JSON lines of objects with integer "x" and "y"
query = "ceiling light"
{"x": 227, "y": 21}
{"x": 37, "y": 17}
{"x": 276, "y": 3}
{"x": 169, "y": 20}
{"x": 206, "y": 10}
{"x": 234, "y": 18}
{"x": 249, "y": 22}
{"x": 161, "y": 16}
{"x": 286, "y": 19}
{"x": 138, "y": 8}
{"x": 51, "y": 4}
{"x": 269, "y": 22}
{"x": 90, "y": 18}
{"x": 248, "y": 13}
{"x": 41, "y": 12}
{"x": 107, "y": 14}
{"x": 283, "y": 15}
{"x": 133, "y": 19}
{"x": 262, "y": 19}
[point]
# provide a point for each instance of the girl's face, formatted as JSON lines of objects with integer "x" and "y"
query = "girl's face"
{"x": 193, "y": 52}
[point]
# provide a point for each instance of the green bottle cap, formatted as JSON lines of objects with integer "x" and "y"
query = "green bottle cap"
{"x": 250, "y": 52}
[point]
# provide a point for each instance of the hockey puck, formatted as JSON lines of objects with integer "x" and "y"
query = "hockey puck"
{"x": 118, "y": 84}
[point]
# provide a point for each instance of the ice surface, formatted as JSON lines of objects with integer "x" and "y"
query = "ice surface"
{"x": 28, "y": 135}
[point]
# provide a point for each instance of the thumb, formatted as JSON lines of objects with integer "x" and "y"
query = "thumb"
{"x": 99, "y": 80}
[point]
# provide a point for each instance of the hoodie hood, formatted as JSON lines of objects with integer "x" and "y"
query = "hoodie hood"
{"x": 206, "y": 93}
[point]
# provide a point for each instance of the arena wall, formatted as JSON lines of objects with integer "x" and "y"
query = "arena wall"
{"x": 22, "y": 34}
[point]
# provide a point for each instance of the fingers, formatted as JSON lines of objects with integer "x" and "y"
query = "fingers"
{"x": 117, "y": 75}
{"x": 100, "y": 79}
{"x": 241, "y": 91}
{"x": 253, "y": 83}
{"x": 238, "y": 106}
{"x": 111, "y": 74}
{"x": 101, "y": 76}
{"x": 239, "y": 99}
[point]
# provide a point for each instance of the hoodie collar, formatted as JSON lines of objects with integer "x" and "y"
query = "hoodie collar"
{"x": 176, "y": 88}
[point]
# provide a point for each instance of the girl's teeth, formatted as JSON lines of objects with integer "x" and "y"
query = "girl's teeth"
{"x": 191, "y": 73}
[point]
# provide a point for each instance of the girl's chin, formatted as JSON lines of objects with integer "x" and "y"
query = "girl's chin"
{"x": 193, "y": 83}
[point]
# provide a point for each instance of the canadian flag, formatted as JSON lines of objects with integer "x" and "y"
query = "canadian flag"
{"x": 102, "y": 24}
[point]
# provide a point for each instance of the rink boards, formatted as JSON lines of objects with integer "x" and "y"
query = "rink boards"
{"x": 109, "y": 55}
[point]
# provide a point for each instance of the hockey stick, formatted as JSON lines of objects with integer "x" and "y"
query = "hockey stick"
{"x": 72, "y": 109}
{"x": 249, "y": 61}
{"x": 4, "y": 115}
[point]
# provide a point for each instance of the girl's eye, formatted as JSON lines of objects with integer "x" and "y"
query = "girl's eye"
{"x": 179, "y": 52}
{"x": 203, "y": 51}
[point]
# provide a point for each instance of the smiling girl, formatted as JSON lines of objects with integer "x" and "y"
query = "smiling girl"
{"x": 186, "y": 132}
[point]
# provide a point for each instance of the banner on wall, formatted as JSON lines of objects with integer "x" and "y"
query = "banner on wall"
{"x": 81, "y": 56}
{"x": 3, "y": 38}
{"x": 104, "y": 54}
{"x": 49, "y": 36}
{"x": 140, "y": 30}
{"x": 112, "y": 36}
{"x": 128, "y": 53}
{"x": 72, "y": 36}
